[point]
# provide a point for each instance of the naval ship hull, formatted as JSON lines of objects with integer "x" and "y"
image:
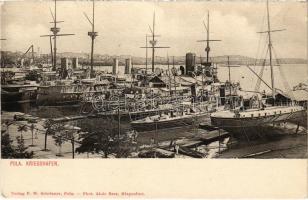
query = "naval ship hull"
{"x": 250, "y": 123}
{"x": 17, "y": 95}
{"x": 53, "y": 96}
{"x": 187, "y": 120}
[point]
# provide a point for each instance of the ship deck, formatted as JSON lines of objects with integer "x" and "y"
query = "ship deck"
{"x": 269, "y": 111}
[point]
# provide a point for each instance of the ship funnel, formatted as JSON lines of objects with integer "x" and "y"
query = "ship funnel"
{"x": 128, "y": 65}
{"x": 75, "y": 63}
{"x": 115, "y": 68}
{"x": 190, "y": 63}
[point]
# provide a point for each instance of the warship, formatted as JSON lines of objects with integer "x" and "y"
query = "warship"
{"x": 246, "y": 119}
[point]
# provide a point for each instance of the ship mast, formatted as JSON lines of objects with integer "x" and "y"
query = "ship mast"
{"x": 169, "y": 75}
{"x": 207, "y": 49}
{"x": 146, "y": 54}
{"x": 270, "y": 46}
{"x": 55, "y": 33}
{"x": 270, "y": 49}
{"x": 55, "y": 30}
{"x": 174, "y": 71}
{"x": 92, "y": 34}
{"x": 153, "y": 43}
{"x": 208, "y": 40}
{"x": 229, "y": 75}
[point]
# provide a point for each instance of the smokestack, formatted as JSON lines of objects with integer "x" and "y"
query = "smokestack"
{"x": 128, "y": 65}
{"x": 190, "y": 63}
{"x": 64, "y": 63}
{"x": 75, "y": 63}
{"x": 115, "y": 68}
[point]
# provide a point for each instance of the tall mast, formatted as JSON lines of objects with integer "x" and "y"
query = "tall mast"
{"x": 229, "y": 67}
{"x": 207, "y": 40}
{"x": 92, "y": 34}
{"x": 270, "y": 46}
{"x": 51, "y": 52}
{"x": 169, "y": 74}
{"x": 270, "y": 49}
{"x": 146, "y": 54}
{"x": 207, "y": 49}
{"x": 173, "y": 69}
{"x": 153, "y": 43}
{"x": 202, "y": 73}
{"x": 55, "y": 31}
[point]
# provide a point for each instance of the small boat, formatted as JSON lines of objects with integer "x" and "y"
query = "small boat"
{"x": 170, "y": 120}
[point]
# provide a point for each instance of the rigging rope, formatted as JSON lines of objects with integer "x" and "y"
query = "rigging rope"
{"x": 284, "y": 80}
{"x": 258, "y": 84}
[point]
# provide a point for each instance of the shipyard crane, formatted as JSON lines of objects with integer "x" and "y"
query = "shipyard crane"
{"x": 28, "y": 50}
{"x": 55, "y": 33}
{"x": 92, "y": 35}
{"x": 153, "y": 42}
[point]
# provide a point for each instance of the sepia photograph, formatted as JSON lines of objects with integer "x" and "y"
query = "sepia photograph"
{"x": 153, "y": 79}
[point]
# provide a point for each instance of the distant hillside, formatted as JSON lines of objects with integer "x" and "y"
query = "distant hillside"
{"x": 107, "y": 60}
{"x": 242, "y": 60}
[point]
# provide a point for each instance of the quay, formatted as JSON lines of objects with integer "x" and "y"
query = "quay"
{"x": 192, "y": 142}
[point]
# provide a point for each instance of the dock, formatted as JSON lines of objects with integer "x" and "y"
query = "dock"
{"x": 186, "y": 146}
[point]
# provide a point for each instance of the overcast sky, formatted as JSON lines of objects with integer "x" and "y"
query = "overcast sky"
{"x": 122, "y": 27}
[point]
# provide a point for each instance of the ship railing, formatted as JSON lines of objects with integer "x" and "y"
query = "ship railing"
{"x": 286, "y": 103}
{"x": 129, "y": 104}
